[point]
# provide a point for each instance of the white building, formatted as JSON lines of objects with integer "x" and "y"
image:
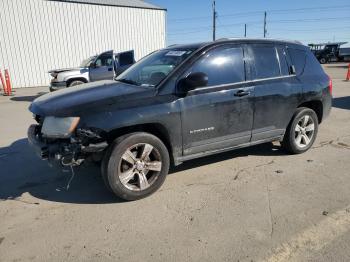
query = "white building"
{"x": 39, "y": 35}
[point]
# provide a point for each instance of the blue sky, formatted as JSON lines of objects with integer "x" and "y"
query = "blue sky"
{"x": 304, "y": 20}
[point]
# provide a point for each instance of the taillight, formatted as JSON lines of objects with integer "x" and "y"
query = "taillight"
{"x": 330, "y": 85}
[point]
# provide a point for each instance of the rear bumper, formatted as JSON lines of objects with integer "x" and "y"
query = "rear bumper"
{"x": 327, "y": 106}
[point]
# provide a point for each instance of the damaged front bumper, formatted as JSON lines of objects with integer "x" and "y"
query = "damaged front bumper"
{"x": 55, "y": 85}
{"x": 68, "y": 152}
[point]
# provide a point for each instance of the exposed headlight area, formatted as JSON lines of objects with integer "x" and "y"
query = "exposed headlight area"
{"x": 59, "y": 127}
{"x": 58, "y": 139}
{"x": 54, "y": 74}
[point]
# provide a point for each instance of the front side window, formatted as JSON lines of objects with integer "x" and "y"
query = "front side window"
{"x": 151, "y": 70}
{"x": 104, "y": 60}
{"x": 265, "y": 62}
{"x": 223, "y": 65}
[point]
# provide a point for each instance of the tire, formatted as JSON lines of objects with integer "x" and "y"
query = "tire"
{"x": 323, "y": 60}
{"x": 301, "y": 131}
{"x": 105, "y": 160}
{"x": 75, "y": 83}
{"x": 135, "y": 166}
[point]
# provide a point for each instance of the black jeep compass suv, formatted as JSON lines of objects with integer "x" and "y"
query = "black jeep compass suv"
{"x": 181, "y": 103}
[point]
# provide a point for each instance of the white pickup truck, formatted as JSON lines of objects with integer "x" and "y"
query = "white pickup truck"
{"x": 106, "y": 65}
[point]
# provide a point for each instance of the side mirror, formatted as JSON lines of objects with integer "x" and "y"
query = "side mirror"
{"x": 292, "y": 70}
{"x": 192, "y": 81}
{"x": 92, "y": 65}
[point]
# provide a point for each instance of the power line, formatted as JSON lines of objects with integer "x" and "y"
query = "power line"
{"x": 208, "y": 29}
{"x": 273, "y": 11}
{"x": 309, "y": 19}
{"x": 189, "y": 30}
{"x": 310, "y": 30}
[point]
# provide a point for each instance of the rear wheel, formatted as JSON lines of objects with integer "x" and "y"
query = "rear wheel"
{"x": 323, "y": 60}
{"x": 137, "y": 166}
{"x": 301, "y": 132}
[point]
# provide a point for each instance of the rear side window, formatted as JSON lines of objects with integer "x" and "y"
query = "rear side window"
{"x": 265, "y": 62}
{"x": 298, "y": 59}
{"x": 312, "y": 66}
{"x": 283, "y": 61}
{"x": 223, "y": 65}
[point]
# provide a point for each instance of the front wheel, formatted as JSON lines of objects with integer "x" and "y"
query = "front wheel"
{"x": 301, "y": 131}
{"x": 137, "y": 166}
{"x": 76, "y": 83}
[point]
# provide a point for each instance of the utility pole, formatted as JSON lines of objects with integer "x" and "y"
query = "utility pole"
{"x": 214, "y": 21}
{"x": 245, "y": 30}
{"x": 265, "y": 30}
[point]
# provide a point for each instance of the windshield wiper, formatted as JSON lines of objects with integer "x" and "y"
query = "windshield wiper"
{"x": 128, "y": 81}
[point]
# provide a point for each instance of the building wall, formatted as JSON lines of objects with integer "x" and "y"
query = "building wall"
{"x": 39, "y": 35}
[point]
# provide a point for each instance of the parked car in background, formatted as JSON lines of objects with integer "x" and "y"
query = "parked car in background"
{"x": 181, "y": 103}
{"x": 104, "y": 66}
{"x": 330, "y": 52}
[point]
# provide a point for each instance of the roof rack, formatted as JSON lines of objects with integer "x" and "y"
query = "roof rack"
{"x": 260, "y": 39}
{"x": 329, "y": 43}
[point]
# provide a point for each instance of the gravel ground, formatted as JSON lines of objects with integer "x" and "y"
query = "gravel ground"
{"x": 253, "y": 204}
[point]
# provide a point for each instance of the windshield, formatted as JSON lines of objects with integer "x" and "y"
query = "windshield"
{"x": 87, "y": 62}
{"x": 151, "y": 70}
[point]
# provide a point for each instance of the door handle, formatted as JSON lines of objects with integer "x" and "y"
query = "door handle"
{"x": 241, "y": 93}
{"x": 110, "y": 69}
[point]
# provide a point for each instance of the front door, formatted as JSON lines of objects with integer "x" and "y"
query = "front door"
{"x": 102, "y": 68}
{"x": 219, "y": 115}
{"x": 123, "y": 61}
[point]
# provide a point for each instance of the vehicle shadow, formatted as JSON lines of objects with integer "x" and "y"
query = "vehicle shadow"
{"x": 338, "y": 66}
{"x": 27, "y": 98}
{"x": 23, "y": 172}
{"x": 342, "y": 102}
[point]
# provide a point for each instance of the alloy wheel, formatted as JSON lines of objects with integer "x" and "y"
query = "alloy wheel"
{"x": 304, "y": 131}
{"x": 139, "y": 167}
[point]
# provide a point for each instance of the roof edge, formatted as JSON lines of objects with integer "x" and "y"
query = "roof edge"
{"x": 116, "y": 5}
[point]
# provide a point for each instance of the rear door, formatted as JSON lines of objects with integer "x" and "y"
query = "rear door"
{"x": 102, "y": 68}
{"x": 219, "y": 115}
{"x": 123, "y": 61}
{"x": 277, "y": 91}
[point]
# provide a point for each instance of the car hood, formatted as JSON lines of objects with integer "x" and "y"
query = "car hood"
{"x": 66, "y": 70}
{"x": 87, "y": 98}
